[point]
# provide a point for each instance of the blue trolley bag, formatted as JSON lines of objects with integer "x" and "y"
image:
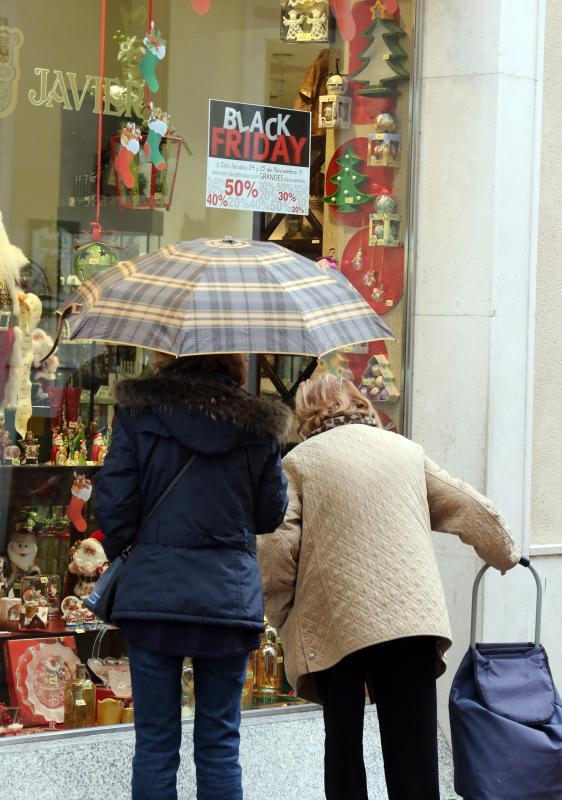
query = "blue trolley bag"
{"x": 506, "y": 718}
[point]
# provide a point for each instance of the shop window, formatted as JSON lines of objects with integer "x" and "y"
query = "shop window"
{"x": 358, "y": 91}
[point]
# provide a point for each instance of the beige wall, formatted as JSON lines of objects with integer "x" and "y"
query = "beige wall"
{"x": 546, "y": 506}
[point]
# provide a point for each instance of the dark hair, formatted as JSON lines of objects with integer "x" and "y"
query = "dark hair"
{"x": 231, "y": 364}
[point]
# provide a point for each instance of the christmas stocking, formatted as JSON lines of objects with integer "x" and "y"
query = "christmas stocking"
{"x": 155, "y": 52}
{"x": 157, "y": 128}
{"x": 130, "y": 137}
{"x": 81, "y": 493}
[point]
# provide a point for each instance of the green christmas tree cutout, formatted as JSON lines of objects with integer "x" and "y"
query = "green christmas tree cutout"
{"x": 348, "y": 197}
{"x": 382, "y": 59}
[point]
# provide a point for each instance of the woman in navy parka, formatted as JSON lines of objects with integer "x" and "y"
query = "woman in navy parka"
{"x": 191, "y": 585}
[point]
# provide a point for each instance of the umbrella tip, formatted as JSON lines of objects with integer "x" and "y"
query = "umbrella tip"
{"x": 228, "y": 239}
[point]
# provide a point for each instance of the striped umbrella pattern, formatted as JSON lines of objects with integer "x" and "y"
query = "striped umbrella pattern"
{"x": 223, "y": 296}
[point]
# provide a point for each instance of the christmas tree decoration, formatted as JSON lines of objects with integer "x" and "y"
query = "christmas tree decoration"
{"x": 154, "y": 53}
{"x": 158, "y": 127}
{"x": 347, "y": 197}
{"x": 381, "y": 59}
{"x": 378, "y": 383}
{"x": 130, "y": 145}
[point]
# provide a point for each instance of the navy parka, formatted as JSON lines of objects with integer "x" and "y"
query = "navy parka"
{"x": 195, "y": 561}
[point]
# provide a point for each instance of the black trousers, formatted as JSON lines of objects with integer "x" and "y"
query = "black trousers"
{"x": 402, "y": 674}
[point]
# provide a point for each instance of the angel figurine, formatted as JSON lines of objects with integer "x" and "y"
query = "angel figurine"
{"x": 318, "y": 25}
{"x": 293, "y": 24}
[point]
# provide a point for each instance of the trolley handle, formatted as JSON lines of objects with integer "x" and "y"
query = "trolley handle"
{"x": 524, "y": 562}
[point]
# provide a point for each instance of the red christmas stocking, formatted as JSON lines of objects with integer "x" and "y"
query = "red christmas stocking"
{"x": 81, "y": 493}
{"x": 123, "y": 167}
{"x": 74, "y": 514}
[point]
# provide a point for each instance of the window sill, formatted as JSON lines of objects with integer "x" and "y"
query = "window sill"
{"x": 546, "y": 550}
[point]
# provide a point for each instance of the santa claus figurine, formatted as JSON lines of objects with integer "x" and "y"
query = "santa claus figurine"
{"x": 97, "y": 445}
{"x": 88, "y": 562}
{"x": 22, "y": 552}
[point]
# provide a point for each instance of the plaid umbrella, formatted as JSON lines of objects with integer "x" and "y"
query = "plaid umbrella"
{"x": 229, "y": 296}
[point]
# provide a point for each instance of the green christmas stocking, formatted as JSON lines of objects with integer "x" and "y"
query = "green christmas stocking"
{"x": 155, "y": 52}
{"x": 156, "y": 130}
{"x": 148, "y": 70}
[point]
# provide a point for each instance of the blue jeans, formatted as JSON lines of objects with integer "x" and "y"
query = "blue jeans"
{"x": 156, "y": 682}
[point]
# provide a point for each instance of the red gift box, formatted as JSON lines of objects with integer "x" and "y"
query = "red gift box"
{"x": 37, "y": 672}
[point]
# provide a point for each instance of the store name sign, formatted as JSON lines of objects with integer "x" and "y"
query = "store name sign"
{"x": 58, "y": 88}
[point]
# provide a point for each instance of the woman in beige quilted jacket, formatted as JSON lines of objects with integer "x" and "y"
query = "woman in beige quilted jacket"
{"x": 351, "y": 579}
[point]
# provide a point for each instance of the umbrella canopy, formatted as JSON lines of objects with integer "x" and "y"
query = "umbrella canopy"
{"x": 223, "y": 296}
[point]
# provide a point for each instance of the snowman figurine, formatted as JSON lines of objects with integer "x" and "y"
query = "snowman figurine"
{"x": 318, "y": 25}
{"x": 293, "y": 24}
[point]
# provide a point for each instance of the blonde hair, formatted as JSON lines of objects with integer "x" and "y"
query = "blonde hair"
{"x": 325, "y": 396}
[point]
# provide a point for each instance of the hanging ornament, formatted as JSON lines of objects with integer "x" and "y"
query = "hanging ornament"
{"x": 93, "y": 255}
{"x": 158, "y": 127}
{"x": 369, "y": 278}
{"x": 358, "y": 260}
{"x": 385, "y": 204}
{"x": 130, "y": 145}
{"x": 154, "y": 53}
{"x": 378, "y": 293}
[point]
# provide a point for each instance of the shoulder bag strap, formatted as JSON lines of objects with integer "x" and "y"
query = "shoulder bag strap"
{"x": 161, "y": 499}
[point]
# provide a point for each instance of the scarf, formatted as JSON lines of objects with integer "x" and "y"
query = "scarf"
{"x": 335, "y": 422}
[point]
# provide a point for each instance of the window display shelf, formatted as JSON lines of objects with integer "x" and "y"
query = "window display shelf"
{"x": 54, "y": 628}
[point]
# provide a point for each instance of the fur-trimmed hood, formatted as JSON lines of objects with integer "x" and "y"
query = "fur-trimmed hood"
{"x": 174, "y": 395}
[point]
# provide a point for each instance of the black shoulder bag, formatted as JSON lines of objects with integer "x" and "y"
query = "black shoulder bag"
{"x": 101, "y": 600}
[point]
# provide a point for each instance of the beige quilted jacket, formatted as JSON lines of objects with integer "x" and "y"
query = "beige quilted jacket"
{"x": 353, "y": 563}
